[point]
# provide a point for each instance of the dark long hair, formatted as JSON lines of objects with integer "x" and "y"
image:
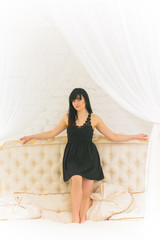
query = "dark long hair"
{"x": 72, "y": 112}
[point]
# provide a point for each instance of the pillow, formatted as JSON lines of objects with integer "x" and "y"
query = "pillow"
{"x": 136, "y": 209}
{"x": 108, "y": 199}
{"x": 55, "y": 202}
{"x": 13, "y": 210}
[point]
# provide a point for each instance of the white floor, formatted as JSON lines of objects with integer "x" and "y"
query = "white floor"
{"x": 46, "y": 229}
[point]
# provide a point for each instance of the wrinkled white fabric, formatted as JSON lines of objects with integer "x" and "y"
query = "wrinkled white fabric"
{"x": 108, "y": 200}
{"x": 24, "y": 68}
{"x": 14, "y": 210}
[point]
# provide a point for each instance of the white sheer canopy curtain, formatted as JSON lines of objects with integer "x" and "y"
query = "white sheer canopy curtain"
{"x": 118, "y": 43}
{"x": 24, "y": 83}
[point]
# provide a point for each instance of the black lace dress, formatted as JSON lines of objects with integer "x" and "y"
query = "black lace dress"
{"x": 81, "y": 156}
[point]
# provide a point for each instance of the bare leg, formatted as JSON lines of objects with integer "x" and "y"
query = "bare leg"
{"x": 85, "y": 205}
{"x": 86, "y": 202}
{"x": 76, "y": 196}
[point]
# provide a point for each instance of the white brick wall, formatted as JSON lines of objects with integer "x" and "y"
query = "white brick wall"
{"x": 46, "y": 54}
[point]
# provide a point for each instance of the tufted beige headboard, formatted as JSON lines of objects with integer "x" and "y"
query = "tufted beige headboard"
{"x": 36, "y": 167}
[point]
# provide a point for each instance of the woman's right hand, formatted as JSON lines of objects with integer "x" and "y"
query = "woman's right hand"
{"x": 25, "y": 139}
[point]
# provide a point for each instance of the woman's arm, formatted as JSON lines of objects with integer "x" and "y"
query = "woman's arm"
{"x": 120, "y": 137}
{"x": 102, "y": 128}
{"x": 61, "y": 126}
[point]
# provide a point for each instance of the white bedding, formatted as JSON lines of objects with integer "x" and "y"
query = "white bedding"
{"x": 36, "y": 216}
{"x": 46, "y": 229}
{"x": 49, "y": 226}
{"x": 109, "y": 202}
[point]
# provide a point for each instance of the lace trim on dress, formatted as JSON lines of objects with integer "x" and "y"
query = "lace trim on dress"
{"x": 86, "y": 122}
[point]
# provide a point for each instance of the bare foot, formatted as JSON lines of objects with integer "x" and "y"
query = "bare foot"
{"x": 83, "y": 219}
{"x": 75, "y": 220}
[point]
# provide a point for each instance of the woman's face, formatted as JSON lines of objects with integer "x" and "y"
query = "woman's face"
{"x": 78, "y": 103}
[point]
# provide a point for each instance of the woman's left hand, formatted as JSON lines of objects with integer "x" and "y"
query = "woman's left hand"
{"x": 142, "y": 136}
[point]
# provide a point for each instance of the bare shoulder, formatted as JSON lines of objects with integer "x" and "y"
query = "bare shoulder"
{"x": 65, "y": 118}
{"x": 95, "y": 118}
{"x": 102, "y": 128}
{"x": 66, "y": 115}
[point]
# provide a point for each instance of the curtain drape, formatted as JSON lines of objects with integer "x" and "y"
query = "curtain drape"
{"x": 21, "y": 101}
{"x": 118, "y": 43}
{"x": 24, "y": 67}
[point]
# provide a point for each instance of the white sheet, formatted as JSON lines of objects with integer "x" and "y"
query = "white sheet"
{"x": 45, "y": 229}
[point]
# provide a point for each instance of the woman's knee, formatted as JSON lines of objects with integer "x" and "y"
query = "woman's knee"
{"x": 76, "y": 180}
{"x": 87, "y": 186}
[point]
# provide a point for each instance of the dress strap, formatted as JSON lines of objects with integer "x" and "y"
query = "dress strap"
{"x": 88, "y": 122}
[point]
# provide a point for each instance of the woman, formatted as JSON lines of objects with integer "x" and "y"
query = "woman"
{"x": 81, "y": 161}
